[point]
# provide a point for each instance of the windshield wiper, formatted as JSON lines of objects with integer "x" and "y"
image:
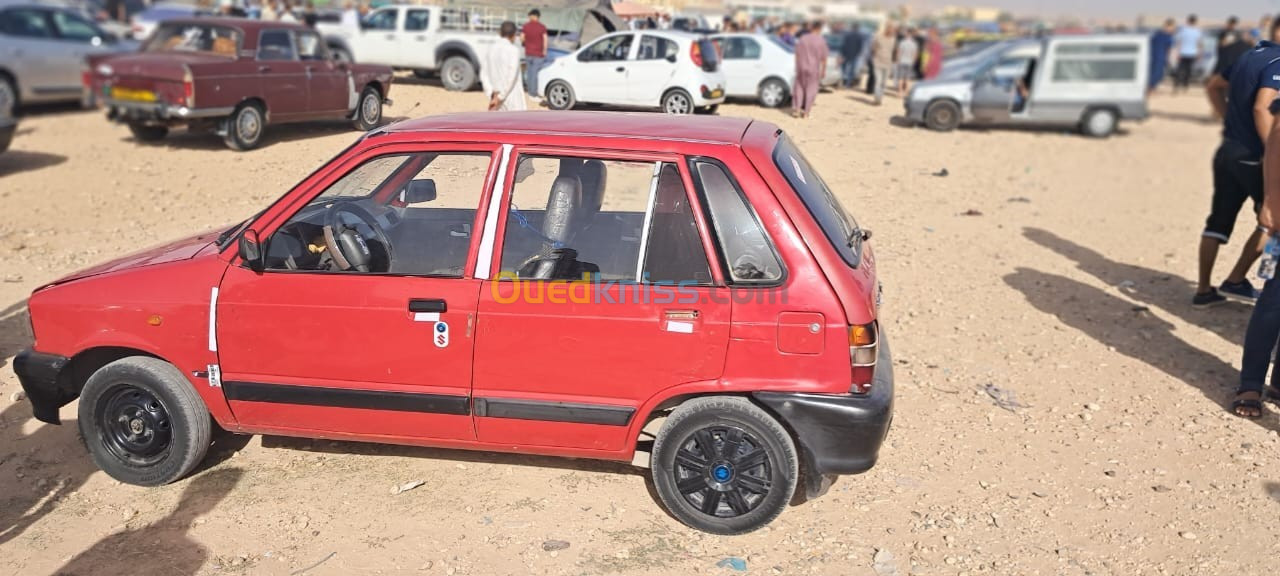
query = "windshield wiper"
{"x": 858, "y": 236}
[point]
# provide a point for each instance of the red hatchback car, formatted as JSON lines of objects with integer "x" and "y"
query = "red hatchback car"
{"x": 575, "y": 284}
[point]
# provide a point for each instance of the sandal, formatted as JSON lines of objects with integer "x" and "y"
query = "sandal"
{"x": 1250, "y": 408}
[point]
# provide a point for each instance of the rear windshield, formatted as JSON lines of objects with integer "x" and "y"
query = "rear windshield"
{"x": 841, "y": 229}
{"x": 710, "y": 56}
{"x": 205, "y": 38}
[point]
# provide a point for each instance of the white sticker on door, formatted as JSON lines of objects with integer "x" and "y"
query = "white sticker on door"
{"x": 426, "y": 316}
{"x": 442, "y": 335}
{"x": 680, "y": 327}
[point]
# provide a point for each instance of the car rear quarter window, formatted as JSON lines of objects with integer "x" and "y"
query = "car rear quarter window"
{"x": 276, "y": 45}
{"x": 746, "y": 248}
{"x": 656, "y": 48}
{"x": 839, "y": 227}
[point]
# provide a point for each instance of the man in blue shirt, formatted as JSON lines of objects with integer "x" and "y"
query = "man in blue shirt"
{"x": 1161, "y": 46}
{"x": 1189, "y": 51}
{"x": 1243, "y": 101}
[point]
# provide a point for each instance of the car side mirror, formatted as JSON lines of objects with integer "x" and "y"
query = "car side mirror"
{"x": 251, "y": 251}
{"x": 419, "y": 191}
{"x": 671, "y": 58}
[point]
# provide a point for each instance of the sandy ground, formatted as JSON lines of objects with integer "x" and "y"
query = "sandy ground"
{"x": 1060, "y": 405}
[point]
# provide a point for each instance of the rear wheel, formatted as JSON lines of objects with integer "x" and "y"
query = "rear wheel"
{"x": 942, "y": 115}
{"x": 458, "y": 74}
{"x": 560, "y": 96}
{"x": 723, "y": 465}
{"x": 145, "y": 133}
{"x": 1099, "y": 123}
{"x": 369, "y": 114}
{"x": 245, "y": 127}
{"x": 677, "y": 102}
{"x": 142, "y": 422}
{"x": 773, "y": 93}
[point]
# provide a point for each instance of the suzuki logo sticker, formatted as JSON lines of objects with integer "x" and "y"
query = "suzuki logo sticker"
{"x": 441, "y": 336}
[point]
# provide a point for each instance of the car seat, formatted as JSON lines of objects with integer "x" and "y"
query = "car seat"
{"x": 556, "y": 261}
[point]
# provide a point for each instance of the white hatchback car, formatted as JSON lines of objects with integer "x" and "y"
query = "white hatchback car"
{"x": 675, "y": 71}
{"x": 762, "y": 67}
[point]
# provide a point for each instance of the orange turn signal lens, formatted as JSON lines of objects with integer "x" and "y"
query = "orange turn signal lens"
{"x": 862, "y": 335}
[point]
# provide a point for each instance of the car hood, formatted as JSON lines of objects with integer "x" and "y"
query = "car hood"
{"x": 939, "y": 88}
{"x": 183, "y": 249}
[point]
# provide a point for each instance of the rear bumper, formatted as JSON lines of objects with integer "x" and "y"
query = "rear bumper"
{"x": 840, "y": 434}
{"x": 39, "y": 374}
{"x": 126, "y": 111}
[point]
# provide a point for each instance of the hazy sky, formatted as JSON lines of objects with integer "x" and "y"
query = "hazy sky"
{"x": 1209, "y": 10}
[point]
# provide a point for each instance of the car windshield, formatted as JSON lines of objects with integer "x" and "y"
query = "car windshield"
{"x": 840, "y": 228}
{"x": 219, "y": 40}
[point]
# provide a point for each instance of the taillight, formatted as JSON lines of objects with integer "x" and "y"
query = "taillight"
{"x": 862, "y": 357}
{"x": 86, "y": 76}
{"x": 188, "y": 88}
{"x": 695, "y": 53}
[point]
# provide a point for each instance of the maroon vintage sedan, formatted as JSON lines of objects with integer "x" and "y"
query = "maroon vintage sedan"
{"x": 234, "y": 76}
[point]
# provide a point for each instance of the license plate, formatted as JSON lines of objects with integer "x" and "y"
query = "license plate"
{"x": 717, "y": 93}
{"x": 129, "y": 94}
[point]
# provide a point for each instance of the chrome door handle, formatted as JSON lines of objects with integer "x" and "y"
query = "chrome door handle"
{"x": 682, "y": 314}
{"x": 264, "y": 68}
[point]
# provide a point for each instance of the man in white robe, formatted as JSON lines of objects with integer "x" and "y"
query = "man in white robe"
{"x": 500, "y": 72}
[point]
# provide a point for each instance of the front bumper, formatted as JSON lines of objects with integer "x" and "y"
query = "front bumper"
{"x": 40, "y": 377}
{"x": 840, "y": 433}
{"x": 915, "y": 109}
{"x": 128, "y": 111}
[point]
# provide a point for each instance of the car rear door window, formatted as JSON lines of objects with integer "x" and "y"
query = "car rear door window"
{"x": 609, "y": 220}
{"x": 276, "y": 45}
{"x": 745, "y": 246}
{"x": 423, "y": 205}
{"x": 417, "y": 20}
{"x": 72, "y": 27}
{"x": 26, "y": 23}
{"x": 656, "y": 48}
{"x": 737, "y": 48}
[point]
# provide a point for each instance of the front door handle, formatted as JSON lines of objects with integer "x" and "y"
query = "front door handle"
{"x": 264, "y": 68}
{"x": 620, "y": 69}
{"x": 419, "y": 305}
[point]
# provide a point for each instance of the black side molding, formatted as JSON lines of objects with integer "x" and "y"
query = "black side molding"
{"x": 554, "y": 411}
{"x": 346, "y": 398}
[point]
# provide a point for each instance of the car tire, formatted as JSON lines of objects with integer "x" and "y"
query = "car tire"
{"x": 773, "y": 93}
{"x": 340, "y": 54}
{"x": 8, "y": 97}
{"x": 142, "y": 421}
{"x": 458, "y": 74}
{"x": 708, "y": 110}
{"x": 677, "y": 102}
{"x": 560, "y": 96}
{"x": 145, "y": 133}
{"x": 718, "y": 490}
{"x": 1099, "y": 123}
{"x": 245, "y": 127}
{"x": 942, "y": 116}
{"x": 369, "y": 110}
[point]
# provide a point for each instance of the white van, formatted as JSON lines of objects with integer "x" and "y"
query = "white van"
{"x": 1090, "y": 82}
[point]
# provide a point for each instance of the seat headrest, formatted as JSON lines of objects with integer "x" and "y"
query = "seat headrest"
{"x": 562, "y": 208}
{"x": 594, "y": 176}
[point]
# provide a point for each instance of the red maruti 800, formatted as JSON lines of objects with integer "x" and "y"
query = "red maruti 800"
{"x": 574, "y": 284}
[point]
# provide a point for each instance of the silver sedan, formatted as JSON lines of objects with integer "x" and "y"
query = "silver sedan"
{"x": 42, "y": 53}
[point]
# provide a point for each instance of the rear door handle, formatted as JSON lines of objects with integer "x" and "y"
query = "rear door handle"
{"x": 682, "y": 314}
{"x": 437, "y": 305}
{"x": 620, "y": 69}
{"x": 264, "y": 68}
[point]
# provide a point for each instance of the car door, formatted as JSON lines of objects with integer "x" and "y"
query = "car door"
{"x": 415, "y": 44}
{"x": 329, "y": 91}
{"x": 31, "y": 50}
{"x": 743, "y": 65}
{"x": 651, "y": 69}
{"x": 386, "y": 350}
{"x": 600, "y": 72}
{"x": 77, "y": 38}
{"x": 568, "y": 363}
{"x": 995, "y": 90}
{"x": 378, "y": 38}
{"x": 285, "y": 84}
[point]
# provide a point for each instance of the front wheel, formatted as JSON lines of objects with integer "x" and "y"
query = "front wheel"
{"x": 458, "y": 74}
{"x": 1099, "y": 123}
{"x": 369, "y": 114}
{"x": 145, "y": 133}
{"x": 560, "y": 96}
{"x": 677, "y": 102}
{"x": 723, "y": 465}
{"x": 142, "y": 422}
{"x": 942, "y": 116}
{"x": 245, "y": 127}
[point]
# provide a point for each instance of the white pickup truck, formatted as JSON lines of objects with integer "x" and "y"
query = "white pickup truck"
{"x": 449, "y": 40}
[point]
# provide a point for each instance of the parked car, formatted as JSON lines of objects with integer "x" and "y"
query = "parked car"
{"x": 145, "y": 22}
{"x": 1088, "y": 82}
{"x": 448, "y": 40}
{"x": 675, "y": 71}
{"x": 762, "y": 67}
{"x": 531, "y": 282}
{"x": 42, "y": 52}
{"x": 235, "y": 76}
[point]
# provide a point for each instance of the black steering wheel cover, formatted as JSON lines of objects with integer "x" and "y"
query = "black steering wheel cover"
{"x": 332, "y": 222}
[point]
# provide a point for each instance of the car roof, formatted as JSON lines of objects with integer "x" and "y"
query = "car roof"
{"x": 643, "y": 125}
{"x": 247, "y": 25}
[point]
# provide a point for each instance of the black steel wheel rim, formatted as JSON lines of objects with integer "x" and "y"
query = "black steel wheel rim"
{"x": 723, "y": 471}
{"x": 134, "y": 425}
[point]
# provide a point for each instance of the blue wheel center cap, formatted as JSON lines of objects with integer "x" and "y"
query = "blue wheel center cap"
{"x": 721, "y": 473}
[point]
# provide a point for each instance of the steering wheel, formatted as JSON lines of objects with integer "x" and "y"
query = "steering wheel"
{"x": 350, "y": 250}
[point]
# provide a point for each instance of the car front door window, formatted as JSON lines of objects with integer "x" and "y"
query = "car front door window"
{"x": 73, "y": 28}
{"x": 611, "y": 49}
{"x": 26, "y": 23}
{"x": 404, "y": 214}
{"x": 381, "y": 20}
